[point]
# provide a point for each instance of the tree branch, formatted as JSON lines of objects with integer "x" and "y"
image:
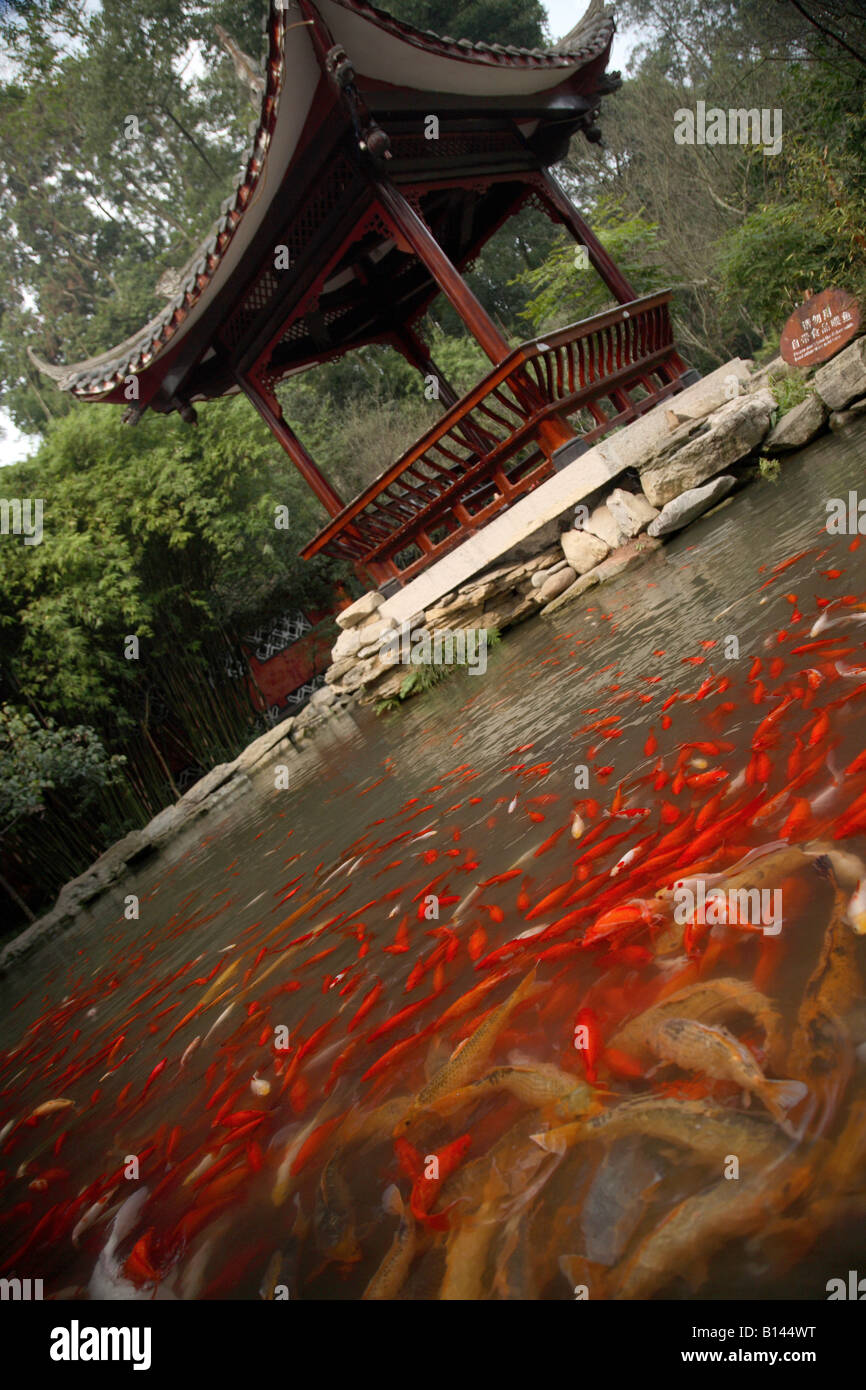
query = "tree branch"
{"x": 822, "y": 28}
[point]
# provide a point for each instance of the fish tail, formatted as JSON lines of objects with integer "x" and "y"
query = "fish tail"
{"x": 781, "y": 1096}
{"x": 393, "y": 1202}
{"x": 438, "y": 1220}
{"x": 556, "y": 1141}
{"x": 526, "y": 986}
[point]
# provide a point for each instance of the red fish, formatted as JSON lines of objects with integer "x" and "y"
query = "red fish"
{"x": 587, "y": 1041}
{"x": 425, "y": 1189}
{"x": 365, "y": 1006}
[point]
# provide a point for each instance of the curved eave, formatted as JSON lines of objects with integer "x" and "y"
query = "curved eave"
{"x": 379, "y": 47}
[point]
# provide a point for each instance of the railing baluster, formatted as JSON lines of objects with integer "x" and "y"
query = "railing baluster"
{"x": 472, "y": 451}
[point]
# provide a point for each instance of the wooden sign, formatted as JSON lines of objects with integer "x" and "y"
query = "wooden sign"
{"x": 819, "y": 328}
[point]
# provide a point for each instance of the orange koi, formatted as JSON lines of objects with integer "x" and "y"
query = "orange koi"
{"x": 366, "y": 1004}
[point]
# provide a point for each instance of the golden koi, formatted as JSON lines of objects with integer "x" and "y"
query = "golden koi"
{"x": 820, "y": 1048}
{"x": 710, "y": 1131}
{"x": 389, "y": 1278}
{"x": 717, "y": 1053}
{"x": 49, "y": 1107}
{"x": 465, "y": 1064}
{"x": 708, "y": 1001}
{"x": 537, "y": 1086}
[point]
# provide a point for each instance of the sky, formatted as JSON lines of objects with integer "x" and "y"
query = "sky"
{"x": 562, "y": 16}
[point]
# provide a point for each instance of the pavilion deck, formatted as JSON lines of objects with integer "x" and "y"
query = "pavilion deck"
{"x": 492, "y": 446}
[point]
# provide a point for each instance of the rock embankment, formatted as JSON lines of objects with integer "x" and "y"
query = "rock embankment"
{"x": 215, "y": 789}
{"x": 706, "y": 449}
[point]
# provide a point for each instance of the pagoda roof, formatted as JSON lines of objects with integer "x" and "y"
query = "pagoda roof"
{"x": 397, "y": 68}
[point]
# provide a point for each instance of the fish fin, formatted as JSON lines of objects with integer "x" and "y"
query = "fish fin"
{"x": 747, "y": 1099}
{"x": 550, "y": 1140}
{"x": 437, "y": 1220}
{"x": 435, "y": 1058}
{"x": 527, "y": 984}
{"x": 785, "y": 1094}
{"x": 392, "y": 1202}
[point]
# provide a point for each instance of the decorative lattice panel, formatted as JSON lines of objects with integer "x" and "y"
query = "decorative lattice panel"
{"x": 300, "y": 234}
{"x": 268, "y": 640}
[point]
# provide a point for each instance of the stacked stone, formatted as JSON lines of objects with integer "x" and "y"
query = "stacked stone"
{"x": 684, "y": 471}
{"x": 498, "y": 599}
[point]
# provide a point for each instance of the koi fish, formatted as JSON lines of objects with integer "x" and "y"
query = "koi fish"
{"x": 50, "y": 1107}
{"x": 390, "y": 1277}
{"x": 425, "y": 1189}
{"x": 820, "y": 1049}
{"x": 536, "y": 1085}
{"x": 293, "y": 1148}
{"x": 709, "y": 1131}
{"x": 707, "y": 1001}
{"x": 464, "y": 1065}
{"x": 693, "y": 1231}
{"x": 334, "y": 1218}
{"x": 717, "y": 1053}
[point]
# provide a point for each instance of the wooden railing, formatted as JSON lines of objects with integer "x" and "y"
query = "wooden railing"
{"x": 487, "y": 449}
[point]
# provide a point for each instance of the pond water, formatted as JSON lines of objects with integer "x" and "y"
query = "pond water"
{"x": 332, "y": 945}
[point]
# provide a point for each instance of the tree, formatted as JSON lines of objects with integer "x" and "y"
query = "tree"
{"x": 113, "y": 162}
{"x": 518, "y": 22}
{"x": 40, "y": 758}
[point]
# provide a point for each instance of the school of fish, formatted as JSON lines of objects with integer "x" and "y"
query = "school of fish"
{"x": 413, "y": 1076}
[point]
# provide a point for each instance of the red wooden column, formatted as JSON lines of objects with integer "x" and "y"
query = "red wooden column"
{"x": 272, "y": 413}
{"x": 409, "y": 226}
{"x": 564, "y": 210}
{"x": 414, "y": 232}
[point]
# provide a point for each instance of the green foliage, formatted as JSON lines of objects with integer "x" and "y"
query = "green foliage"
{"x": 809, "y": 233}
{"x": 562, "y": 293}
{"x": 94, "y": 205}
{"x": 163, "y": 531}
{"x": 425, "y": 675}
{"x": 423, "y": 678}
{"x": 38, "y": 758}
{"x": 518, "y": 22}
{"x": 740, "y": 236}
{"x": 789, "y": 389}
{"x": 769, "y": 469}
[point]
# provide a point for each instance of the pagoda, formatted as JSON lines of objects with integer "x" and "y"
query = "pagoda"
{"x": 383, "y": 160}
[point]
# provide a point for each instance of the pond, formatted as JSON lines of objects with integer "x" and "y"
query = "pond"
{"x": 438, "y": 1021}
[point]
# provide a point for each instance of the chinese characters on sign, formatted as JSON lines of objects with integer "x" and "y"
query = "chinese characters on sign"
{"x": 819, "y": 328}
